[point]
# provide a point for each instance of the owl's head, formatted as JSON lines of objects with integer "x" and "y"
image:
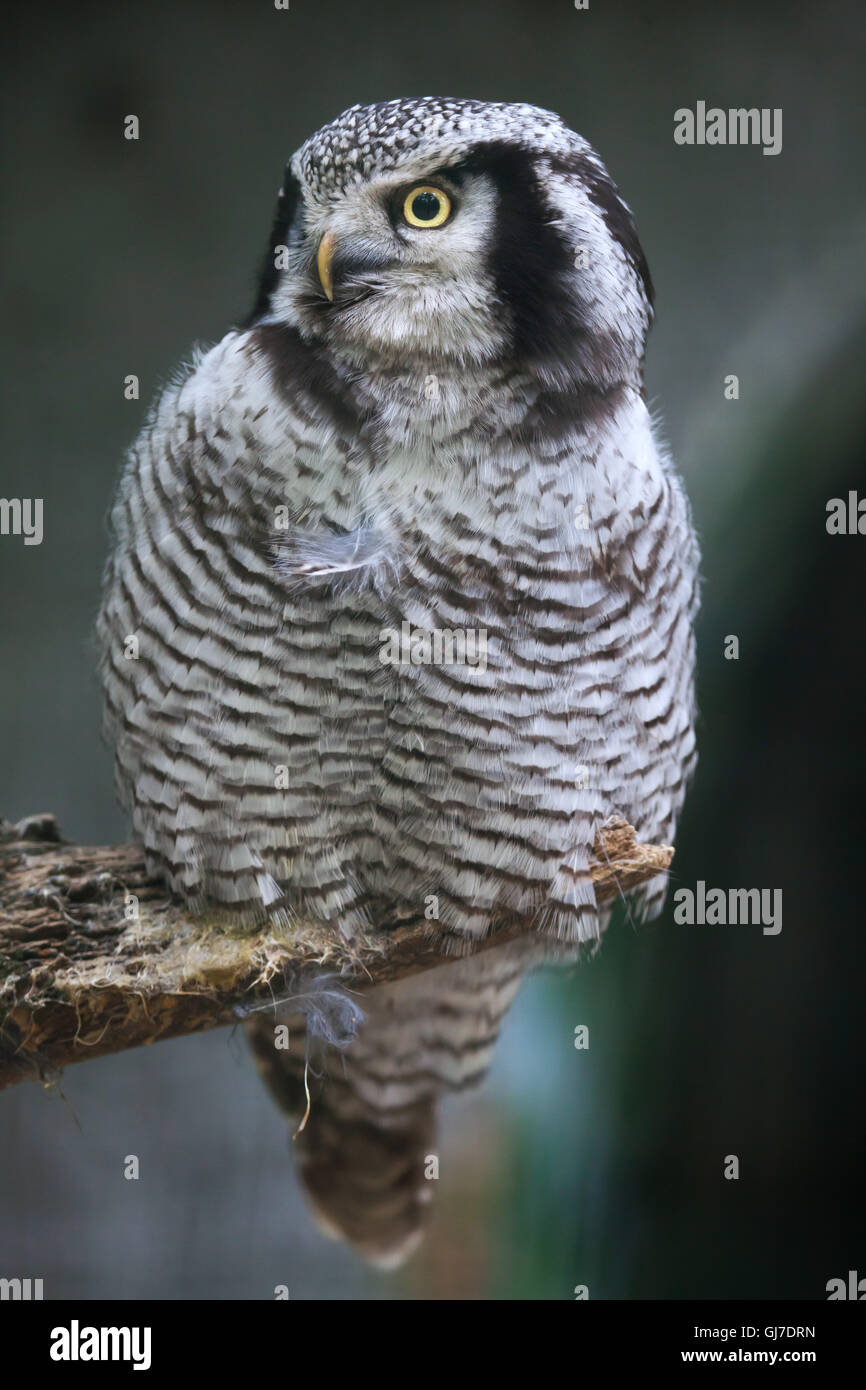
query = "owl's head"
{"x": 415, "y": 233}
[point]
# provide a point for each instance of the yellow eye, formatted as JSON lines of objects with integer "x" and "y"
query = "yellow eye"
{"x": 426, "y": 206}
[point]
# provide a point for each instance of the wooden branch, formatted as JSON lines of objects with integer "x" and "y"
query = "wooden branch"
{"x": 95, "y": 958}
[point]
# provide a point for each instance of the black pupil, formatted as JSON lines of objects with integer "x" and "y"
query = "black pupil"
{"x": 425, "y": 206}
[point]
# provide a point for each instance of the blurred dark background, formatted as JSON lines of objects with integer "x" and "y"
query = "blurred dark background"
{"x": 602, "y": 1167}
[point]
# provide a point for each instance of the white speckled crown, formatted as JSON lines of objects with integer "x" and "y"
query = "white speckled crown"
{"x": 368, "y": 139}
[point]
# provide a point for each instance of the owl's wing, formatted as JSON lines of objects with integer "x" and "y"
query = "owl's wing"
{"x": 234, "y": 699}
{"x": 372, "y": 1126}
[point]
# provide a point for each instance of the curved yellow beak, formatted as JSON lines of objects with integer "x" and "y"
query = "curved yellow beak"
{"x": 323, "y": 262}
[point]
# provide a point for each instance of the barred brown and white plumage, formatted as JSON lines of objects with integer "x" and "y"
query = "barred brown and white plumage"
{"x": 434, "y": 416}
{"x": 523, "y": 495}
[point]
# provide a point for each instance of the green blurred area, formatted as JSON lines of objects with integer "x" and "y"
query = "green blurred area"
{"x": 601, "y": 1167}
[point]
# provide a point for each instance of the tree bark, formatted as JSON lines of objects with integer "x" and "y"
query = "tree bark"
{"x": 95, "y": 957}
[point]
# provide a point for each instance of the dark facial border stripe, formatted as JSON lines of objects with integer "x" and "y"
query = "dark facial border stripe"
{"x": 287, "y": 206}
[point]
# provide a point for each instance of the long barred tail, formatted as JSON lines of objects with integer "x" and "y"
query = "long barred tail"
{"x": 364, "y": 1150}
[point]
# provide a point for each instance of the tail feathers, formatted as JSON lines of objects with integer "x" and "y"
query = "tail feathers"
{"x": 365, "y": 1148}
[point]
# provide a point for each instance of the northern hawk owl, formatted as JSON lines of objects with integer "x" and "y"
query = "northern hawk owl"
{"x": 433, "y": 423}
{"x": 400, "y": 604}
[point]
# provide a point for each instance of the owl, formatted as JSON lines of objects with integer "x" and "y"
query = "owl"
{"x": 400, "y": 603}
